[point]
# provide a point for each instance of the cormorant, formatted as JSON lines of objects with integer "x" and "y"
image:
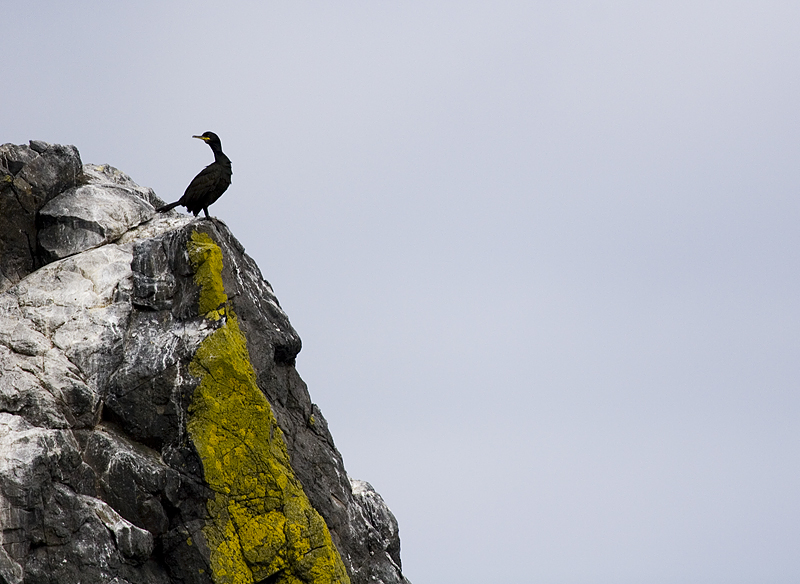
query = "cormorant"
{"x": 209, "y": 185}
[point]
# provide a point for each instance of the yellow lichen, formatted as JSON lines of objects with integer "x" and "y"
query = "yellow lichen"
{"x": 261, "y": 522}
{"x": 206, "y": 259}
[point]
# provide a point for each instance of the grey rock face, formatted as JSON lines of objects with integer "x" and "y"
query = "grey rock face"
{"x": 30, "y": 175}
{"x": 99, "y": 479}
{"x": 380, "y": 537}
{"x": 92, "y": 214}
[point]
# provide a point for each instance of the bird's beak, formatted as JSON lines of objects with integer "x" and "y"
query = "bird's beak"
{"x": 201, "y": 138}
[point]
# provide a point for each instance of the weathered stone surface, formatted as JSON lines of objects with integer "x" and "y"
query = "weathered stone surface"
{"x": 374, "y": 530}
{"x": 153, "y": 427}
{"x": 29, "y": 177}
{"x": 107, "y": 175}
{"x": 92, "y": 214}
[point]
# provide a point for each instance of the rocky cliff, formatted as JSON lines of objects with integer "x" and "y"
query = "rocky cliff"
{"x": 153, "y": 427}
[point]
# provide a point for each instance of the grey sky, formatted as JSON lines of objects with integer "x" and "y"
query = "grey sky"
{"x": 544, "y": 257}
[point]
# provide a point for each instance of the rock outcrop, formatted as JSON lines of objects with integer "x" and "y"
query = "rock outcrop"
{"x": 153, "y": 427}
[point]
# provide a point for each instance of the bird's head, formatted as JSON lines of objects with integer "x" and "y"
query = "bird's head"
{"x": 209, "y": 138}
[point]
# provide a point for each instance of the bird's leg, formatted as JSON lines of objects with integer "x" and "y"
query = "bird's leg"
{"x": 205, "y": 210}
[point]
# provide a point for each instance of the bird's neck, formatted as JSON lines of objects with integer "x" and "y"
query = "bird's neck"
{"x": 219, "y": 156}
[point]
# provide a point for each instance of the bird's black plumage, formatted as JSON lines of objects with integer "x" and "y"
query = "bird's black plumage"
{"x": 209, "y": 184}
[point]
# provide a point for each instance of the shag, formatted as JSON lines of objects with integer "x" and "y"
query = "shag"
{"x": 209, "y": 185}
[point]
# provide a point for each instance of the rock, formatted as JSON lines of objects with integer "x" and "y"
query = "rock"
{"x": 135, "y": 544}
{"x": 10, "y": 571}
{"x": 153, "y": 427}
{"x": 104, "y": 174}
{"x": 379, "y": 534}
{"x": 91, "y": 215}
{"x": 29, "y": 177}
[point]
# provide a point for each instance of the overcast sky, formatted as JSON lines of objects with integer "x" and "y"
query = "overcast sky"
{"x": 544, "y": 256}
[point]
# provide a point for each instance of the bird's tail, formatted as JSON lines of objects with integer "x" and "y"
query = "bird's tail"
{"x": 166, "y": 208}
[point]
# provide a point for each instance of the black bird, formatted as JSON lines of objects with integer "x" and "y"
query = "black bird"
{"x": 209, "y": 185}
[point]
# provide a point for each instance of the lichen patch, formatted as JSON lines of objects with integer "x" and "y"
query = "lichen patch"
{"x": 261, "y": 523}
